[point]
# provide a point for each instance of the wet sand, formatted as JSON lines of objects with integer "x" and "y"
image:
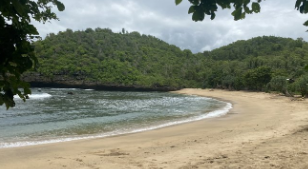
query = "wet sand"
{"x": 261, "y": 131}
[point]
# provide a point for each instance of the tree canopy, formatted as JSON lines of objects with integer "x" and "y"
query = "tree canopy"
{"x": 113, "y": 59}
{"x": 129, "y": 59}
{"x": 200, "y": 8}
{"x": 16, "y": 34}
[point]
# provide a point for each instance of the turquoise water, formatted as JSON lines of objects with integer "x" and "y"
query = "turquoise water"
{"x": 52, "y": 115}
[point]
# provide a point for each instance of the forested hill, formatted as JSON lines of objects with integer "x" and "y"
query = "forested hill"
{"x": 113, "y": 59}
{"x": 130, "y": 60}
{"x": 258, "y": 46}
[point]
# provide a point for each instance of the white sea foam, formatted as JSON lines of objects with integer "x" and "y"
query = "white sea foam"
{"x": 36, "y": 96}
{"x": 213, "y": 114}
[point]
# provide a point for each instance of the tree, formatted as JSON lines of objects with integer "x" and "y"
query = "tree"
{"x": 256, "y": 79}
{"x": 301, "y": 85}
{"x": 278, "y": 83}
{"x": 200, "y": 8}
{"x": 16, "y": 34}
{"x": 102, "y": 57}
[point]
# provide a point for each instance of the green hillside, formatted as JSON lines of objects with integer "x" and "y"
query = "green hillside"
{"x": 114, "y": 58}
{"x": 135, "y": 60}
{"x": 261, "y": 63}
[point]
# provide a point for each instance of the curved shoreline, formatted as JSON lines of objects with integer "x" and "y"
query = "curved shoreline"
{"x": 262, "y": 131}
{"x": 213, "y": 114}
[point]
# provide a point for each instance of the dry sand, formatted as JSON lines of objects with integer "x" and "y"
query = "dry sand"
{"x": 261, "y": 131}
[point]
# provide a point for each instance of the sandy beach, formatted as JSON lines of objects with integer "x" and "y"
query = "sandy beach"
{"x": 261, "y": 131}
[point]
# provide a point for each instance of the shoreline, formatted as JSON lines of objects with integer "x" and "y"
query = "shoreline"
{"x": 261, "y": 131}
{"x": 212, "y": 114}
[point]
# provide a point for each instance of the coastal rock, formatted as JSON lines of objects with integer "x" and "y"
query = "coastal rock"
{"x": 63, "y": 81}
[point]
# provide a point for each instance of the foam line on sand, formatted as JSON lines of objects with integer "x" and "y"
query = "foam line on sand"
{"x": 261, "y": 131}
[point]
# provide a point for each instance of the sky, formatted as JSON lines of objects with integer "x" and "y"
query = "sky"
{"x": 171, "y": 23}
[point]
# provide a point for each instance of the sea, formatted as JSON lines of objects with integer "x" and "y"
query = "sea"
{"x": 53, "y": 115}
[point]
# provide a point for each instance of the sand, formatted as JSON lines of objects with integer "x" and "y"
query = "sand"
{"x": 261, "y": 131}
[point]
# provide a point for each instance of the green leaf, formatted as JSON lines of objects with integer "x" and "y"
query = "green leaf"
{"x": 245, "y": 2}
{"x": 297, "y": 4}
{"x": 306, "y": 7}
{"x": 301, "y": 9}
{"x": 191, "y": 9}
{"x": 31, "y": 30}
{"x": 256, "y": 7}
{"x": 306, "y": 23}
{"x": 213, "y": 15}
{"x": 18, "y": 7}
{"x": 27, "y": 90}
{"x": 237, "y": 13}
{"x": 1, "y": 99}
{"x": 60, "y": 6}
{"x": 243, "y": 15}
{"x": 306, "y": 68}
{"x": 198, "y": 16}
{"x": 177, "y": 2}
{"x": 247, "y": 10}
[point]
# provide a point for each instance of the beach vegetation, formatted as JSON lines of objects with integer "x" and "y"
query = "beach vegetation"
{"x": 257, "y": 78}
{"x": 301, "y": 86}
{"x": 132, "y": 59}
{"x": 16, "y": 35}
{"x": 278, "y": 83}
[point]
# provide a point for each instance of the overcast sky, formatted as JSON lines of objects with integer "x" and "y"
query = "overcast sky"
{"x": 171, "y": 23}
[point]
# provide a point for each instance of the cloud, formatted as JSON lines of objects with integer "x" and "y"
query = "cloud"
{"x": 172, "y": 24}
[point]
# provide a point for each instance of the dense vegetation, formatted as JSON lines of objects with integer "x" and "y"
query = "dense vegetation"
{"x": 124, "y": 58}
{"x": 262, "y": 63}
{"x": 16, "y": 33}
{"x": 132, "y": 59}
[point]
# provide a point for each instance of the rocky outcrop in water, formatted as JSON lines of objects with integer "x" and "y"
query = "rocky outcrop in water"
{"x": 64, "y": 81}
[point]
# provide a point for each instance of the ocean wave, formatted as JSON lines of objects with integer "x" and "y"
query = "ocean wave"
{"x": 216, "y": 113}
{"x": 36, "y": 96}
